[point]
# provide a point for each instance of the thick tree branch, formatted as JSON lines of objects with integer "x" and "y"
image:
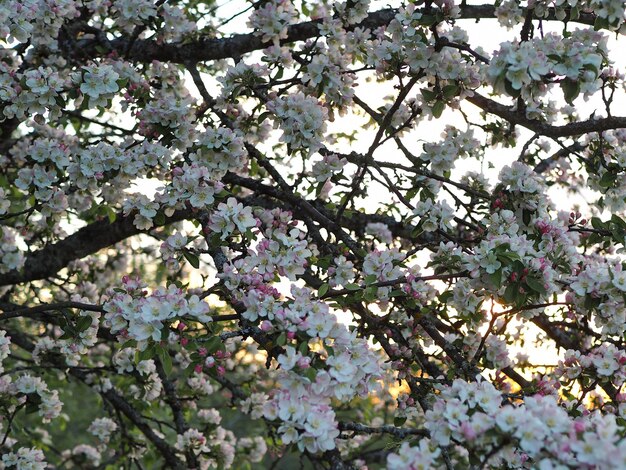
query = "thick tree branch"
{"x": 86, "y": 241}
{"x": 541, "y": 128}
{"x": 208, "y": 49}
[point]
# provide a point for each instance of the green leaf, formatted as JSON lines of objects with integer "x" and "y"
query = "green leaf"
{"x": 311, "y": 373}
{"x": 399, "y": 421}
{"x": 370, "y": 279}
{"x": 263, "y": 117}
{"x": 282, "y": 339}
{"x": 83, "y": 323}
{"x": 192, "y": 258}
{"x": 597, "y": 223}
{"x": 607, "y": 180}
{"x": 510, "y": 293}
{"x": 159, "y": 219}
{"x": 111, "y": 214}
{"x": 450, "y": 91}
{"x": 166, "y": 360}
{"x": 536, "y": 284}
{"x": 438, "y": 108}
{"x": 508, "y": 86}
{"x": 319, "y": 188}
{"x": 213, "y": 345}
{"x": 323, "y": 290}
{"x": 618, "y": 221}
{"x": 429, "y": 95}
{"x": 496, "y": 278}
{"x": 600, "y": 23}
{"x": 427, "y": 20}
{"x": 146, "y": 354}
{"x": 571, "y": 89}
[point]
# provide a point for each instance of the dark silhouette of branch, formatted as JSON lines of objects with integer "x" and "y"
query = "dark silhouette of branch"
{"x": 209, "y": 48}
{"x": 541, "y": 128}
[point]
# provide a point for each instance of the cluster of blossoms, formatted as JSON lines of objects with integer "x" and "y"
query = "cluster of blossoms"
{"x": 326, "y": 73}
{"x": 83, "y": 336}
{"x": 176, "y": 25}
{"x": 343, "y": 369}
{"x": 33, "y": 92}
{"x": 136, "y": 315}
{"x": 145, "y": 210}
{"x": 420, "y": 458}
{"x": 521, "y": 68}
{"x": 537, "y": 431}
{"x": 85, "y": 168}
{"x": 611, "y": 11}
{"x": 409, "y": 42}
{"x": 84, "y": 453}
{"x": 5, "y": 202}
{"x": 302, "y": 120}
{"x": 271, "y": 19}
{"x": 420, "y": 291}
{"x": 171, "y": 250}
{"x": 520, "y": 179}
{"x": 190, "y": 183}
{"x": 328, "y": 166}
{"x": 102, "y": 428}
{"x": 512, "y": 261}
{"x": 31, "y": 391}
{"x": 24, "y": 458}
{"x": 441, "y": 156}
{"x": 37, "y": 21}
{"x": 509, "y": 13}
{"x": 495, "y": 348}
{"x": 379, "y": 231}
{"x": 99, "y": 83}
{"x": 610, "y": 163}
{"x": 383, "y": 266}
{"x": 215, "y": 450}
{"x": 285, "y": 254}
{"x": 133, "y": 12}
{"x": 5, "y": 348}
{"x": 240, "y": 77}
{"x": 352, "y": 12}
{"x": 151, "y": 386}
{"x": 599, "y": 286}
{"x": 11, "y": 256}
{"x": 342, "y": 272}
{"x": 230, "y": 216}
{"x": 434, "y": 216}
{"x": 168, "y": 114}
{"x": 220, "y": 150}
{"x": 604, "y": 361}
{"x": 104, "y": 160}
